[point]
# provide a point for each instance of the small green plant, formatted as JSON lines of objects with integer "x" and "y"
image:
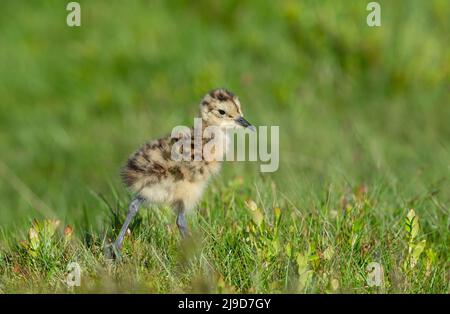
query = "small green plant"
{"x": 305, "y": 272}
{"x": 40, "y": 238}
{"x": 45, "y": 250}
{"x": 415, "y": 248}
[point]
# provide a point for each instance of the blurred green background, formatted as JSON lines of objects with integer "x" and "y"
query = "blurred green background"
{"x": 354, "y": 104}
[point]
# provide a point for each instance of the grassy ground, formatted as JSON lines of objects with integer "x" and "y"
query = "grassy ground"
{"x": 363, "y": 115}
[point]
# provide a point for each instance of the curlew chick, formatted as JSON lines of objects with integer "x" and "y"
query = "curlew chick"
{"x": 154, "y": 175}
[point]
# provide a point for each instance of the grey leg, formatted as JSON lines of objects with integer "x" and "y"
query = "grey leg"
{"x": 133, "y": 209}
{"x": 182, "y": 225}
{"x": 181, "y": 219}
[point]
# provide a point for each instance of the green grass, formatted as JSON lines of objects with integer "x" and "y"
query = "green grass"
{"x": 364, "y": 138}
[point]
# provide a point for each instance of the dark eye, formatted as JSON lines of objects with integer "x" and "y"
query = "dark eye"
{"x": 221, "y": 97}
{"x": 221, "y": 112}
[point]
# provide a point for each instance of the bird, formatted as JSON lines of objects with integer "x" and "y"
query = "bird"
{"x": 155, "y": 175}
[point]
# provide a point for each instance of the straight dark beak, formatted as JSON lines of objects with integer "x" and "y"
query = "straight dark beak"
{"x": 242, "y": 122}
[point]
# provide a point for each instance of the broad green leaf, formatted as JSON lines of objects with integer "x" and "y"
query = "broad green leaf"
{"x": 257, "y": 217}
{"x": 334, "y": 284}
{"x": 33, "y": 237}
{"x": 251, "y": 205}
{"x": 288, "y": 249}
{"x": 431, "y": 255}
{"x": 304, "y": 279}
{"x": 417, "y": 250}
{"x": 328, "y": 253}
{"x": 50, "y": 226}
{"x": 302, "y": 263}
{"x": 412, "y": 224}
